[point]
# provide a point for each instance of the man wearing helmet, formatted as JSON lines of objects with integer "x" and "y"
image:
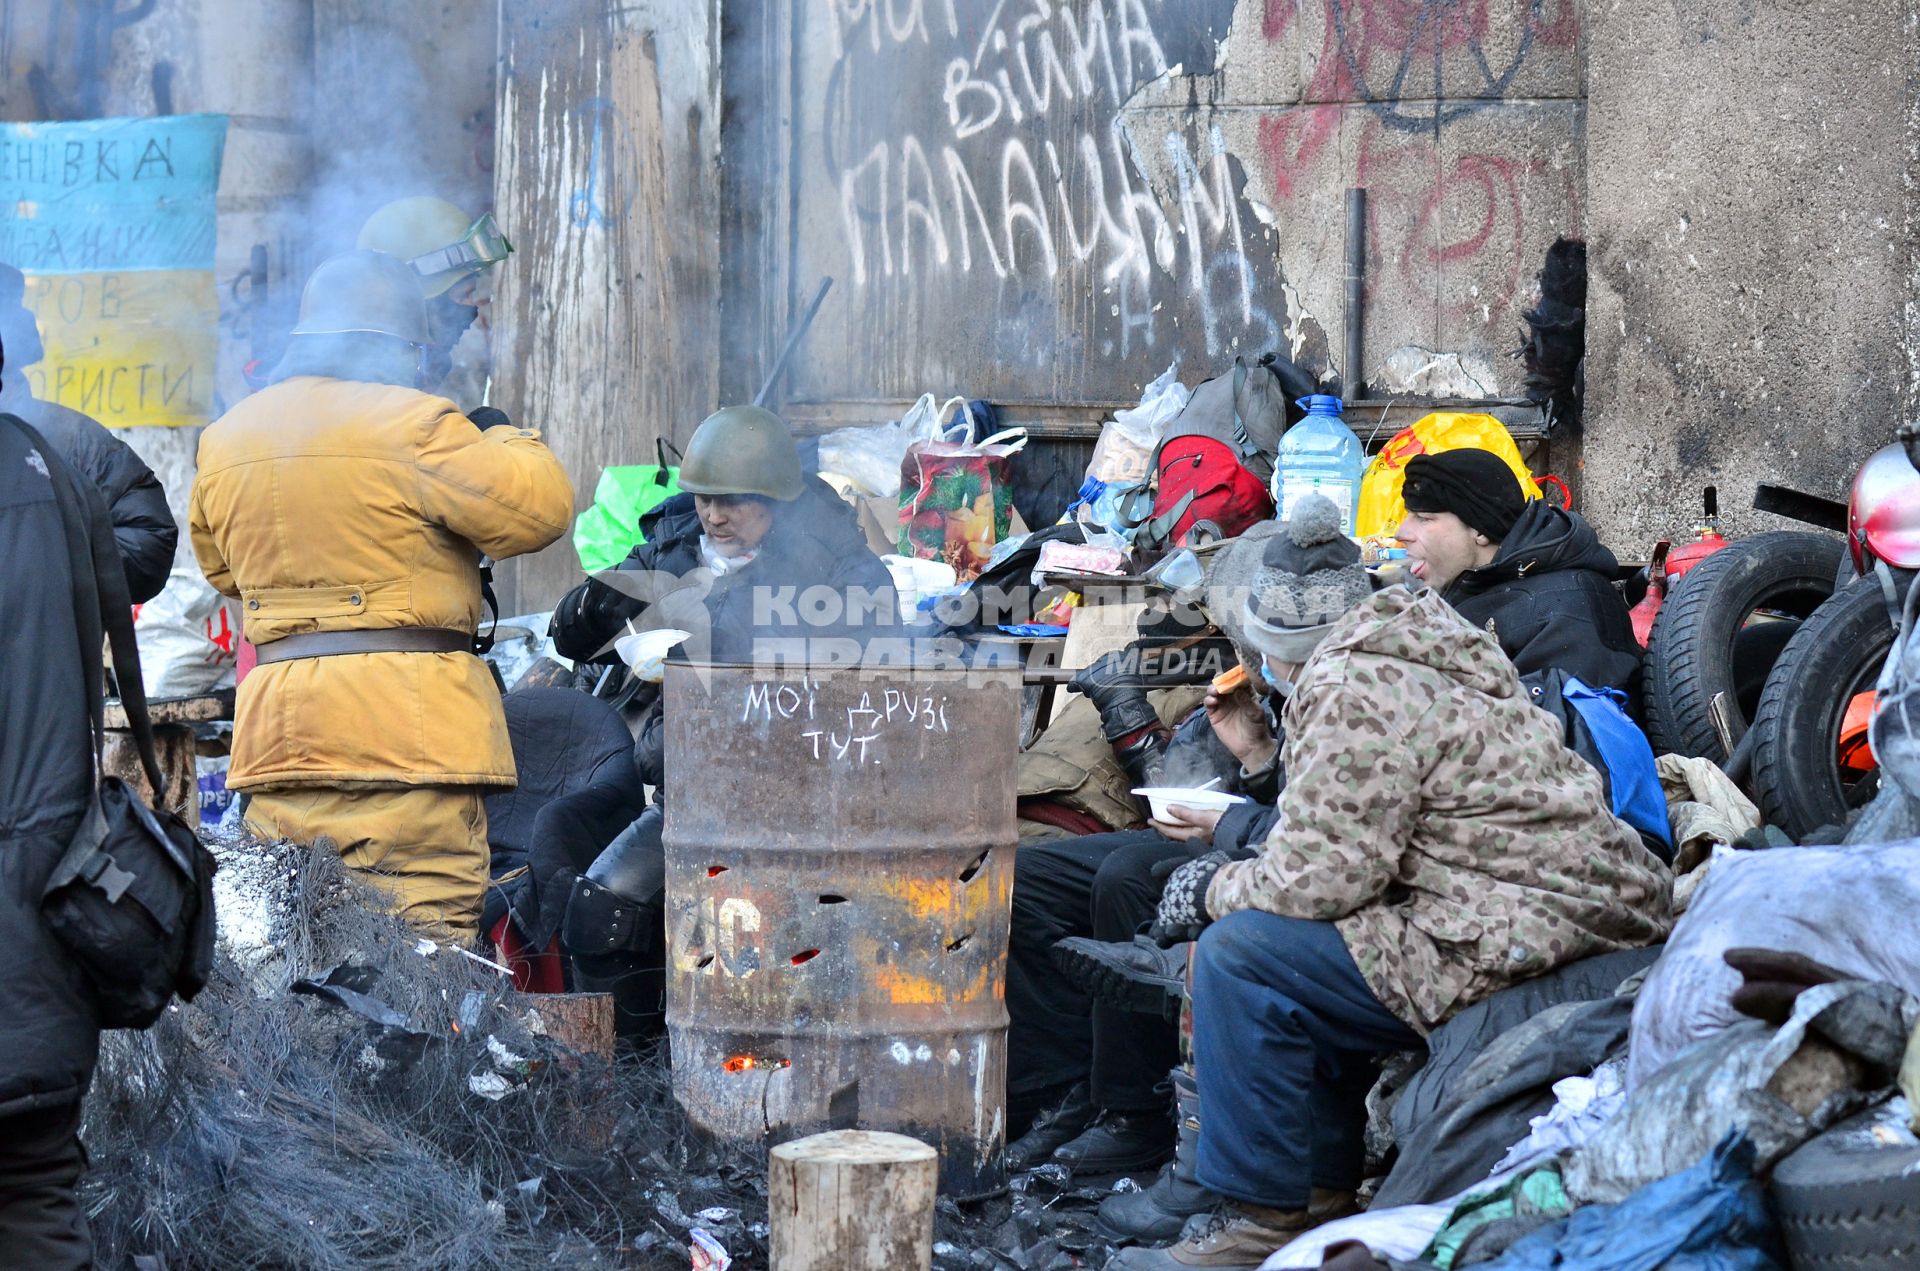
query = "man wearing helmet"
{"x": 747, "y": 518}
{"x": 453, "y": 256}
{"x": 769, "y": 561}
{"x": 346, "y": 510}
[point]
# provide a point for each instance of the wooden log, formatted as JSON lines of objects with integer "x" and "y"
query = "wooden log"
{"x": 173, "y": 745}
{"x": 852, "y": 1200}
{"x": 583, "y": 1021}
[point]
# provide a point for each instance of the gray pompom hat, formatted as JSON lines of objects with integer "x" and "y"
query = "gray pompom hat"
{"x": 1309, "y": 576}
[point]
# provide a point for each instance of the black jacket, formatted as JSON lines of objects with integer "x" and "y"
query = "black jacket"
{"x": 51, "y": 1036}
{"x": 815, "y": 540}
{"x": 1548, "y": 598}
{"x": 143, "y": 526}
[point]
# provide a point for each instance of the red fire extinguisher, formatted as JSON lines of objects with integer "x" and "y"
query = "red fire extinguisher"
{"x": 1669, "y": 564}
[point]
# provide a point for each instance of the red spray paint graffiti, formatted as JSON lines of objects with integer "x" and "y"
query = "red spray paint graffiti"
{"x": 1417, "y": 66}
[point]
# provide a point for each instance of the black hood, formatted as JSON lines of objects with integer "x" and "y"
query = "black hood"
{"x": 1545, "y": 540}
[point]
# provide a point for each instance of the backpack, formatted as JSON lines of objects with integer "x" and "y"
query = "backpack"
{"x": 1597, "y": 729}
{"x": 1208, "y": 477}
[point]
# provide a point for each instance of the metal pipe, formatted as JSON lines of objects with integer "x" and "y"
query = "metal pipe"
{"x": 765, "y": 394}
{"x": 1353, "y": 385}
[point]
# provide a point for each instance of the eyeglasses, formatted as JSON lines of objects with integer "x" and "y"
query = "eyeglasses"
{"x": 482, "y": 246}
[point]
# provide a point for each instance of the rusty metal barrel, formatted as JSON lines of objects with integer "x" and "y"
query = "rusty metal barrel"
{"x": 839, "y": 854}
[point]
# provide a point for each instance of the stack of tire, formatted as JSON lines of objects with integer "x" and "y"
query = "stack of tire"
{"x": 1779, "y": 625}
{"x": 1850, "y": 1198}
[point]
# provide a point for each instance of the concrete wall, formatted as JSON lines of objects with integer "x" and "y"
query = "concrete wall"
{"x": 1750, "y": 237}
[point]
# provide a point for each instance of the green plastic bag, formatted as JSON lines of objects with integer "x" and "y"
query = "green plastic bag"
{"x": 607, "y": 531}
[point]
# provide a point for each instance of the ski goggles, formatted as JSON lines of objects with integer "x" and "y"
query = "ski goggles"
{"x": 482, "y": 246}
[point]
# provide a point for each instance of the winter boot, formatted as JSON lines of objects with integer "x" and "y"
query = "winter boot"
{"x": 1137, "y": 976}
{"x": 1120, "y": 1142}
{"x": 1237, "y": 1236}
{"x": 1157, "y": 1214}
{"x": 1059, "y": 1124}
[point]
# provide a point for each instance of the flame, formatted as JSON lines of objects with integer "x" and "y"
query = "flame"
{"x": 742, "y": 1063}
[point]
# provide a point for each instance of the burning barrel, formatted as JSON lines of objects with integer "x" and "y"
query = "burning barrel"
{"x": 839, "y": 850}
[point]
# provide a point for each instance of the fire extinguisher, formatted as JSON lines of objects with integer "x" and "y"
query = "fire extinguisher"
{"x": 1669, "y": 564}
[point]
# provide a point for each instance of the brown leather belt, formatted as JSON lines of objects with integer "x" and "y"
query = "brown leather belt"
{"x": 326, "y": 644}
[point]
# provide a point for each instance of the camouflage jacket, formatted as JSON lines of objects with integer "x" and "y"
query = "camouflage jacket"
{"x": 1433, "y": 814}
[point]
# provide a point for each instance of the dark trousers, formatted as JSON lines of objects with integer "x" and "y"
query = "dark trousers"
{"x": 1286, "y": 1042}
{"x": 41, "y": 1223}
{"x": 1098, "y": 885}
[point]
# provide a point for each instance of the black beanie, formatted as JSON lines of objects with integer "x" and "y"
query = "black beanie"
{"x": 1475, "y": 485}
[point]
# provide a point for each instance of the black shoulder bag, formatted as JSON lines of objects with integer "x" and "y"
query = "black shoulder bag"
{"x": 131, "y": 901}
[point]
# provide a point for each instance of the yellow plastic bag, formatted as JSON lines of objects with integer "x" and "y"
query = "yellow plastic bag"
{"x": 1381, "y": 509}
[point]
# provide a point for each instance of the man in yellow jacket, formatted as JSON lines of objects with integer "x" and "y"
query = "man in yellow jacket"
{"x": 347, "y": 511}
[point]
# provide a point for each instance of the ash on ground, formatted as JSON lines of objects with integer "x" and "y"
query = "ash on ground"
{"x": 336, "y": 1099}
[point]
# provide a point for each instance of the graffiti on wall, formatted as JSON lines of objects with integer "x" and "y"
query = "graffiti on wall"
{"x": 1024, "y": 170}
{"x": 1443, "y": 204}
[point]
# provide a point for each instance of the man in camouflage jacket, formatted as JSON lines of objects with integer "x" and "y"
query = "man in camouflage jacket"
{"x": 1436, "y": 842}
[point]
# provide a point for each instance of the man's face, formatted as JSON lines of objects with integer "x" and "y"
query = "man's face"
{"x": 1441, "y": 547}
{"x": 733, "y": 523}
{"x": 475, "y": 291}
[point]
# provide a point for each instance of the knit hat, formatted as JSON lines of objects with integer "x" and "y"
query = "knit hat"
{"x": 1309, "y": 576}
{"x": 1475, "y": 485}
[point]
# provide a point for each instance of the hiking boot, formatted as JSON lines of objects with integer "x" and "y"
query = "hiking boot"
{"x": 1137, "y": 976}
{"x": 1058, "y": 1125}
{"x": 1120, "y": 1143}
{"x": 1238, "y": 1236}
{"x": 1155, "y": 1215}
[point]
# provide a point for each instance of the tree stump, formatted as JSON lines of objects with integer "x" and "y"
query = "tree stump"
{"x": 852, "y": 1200}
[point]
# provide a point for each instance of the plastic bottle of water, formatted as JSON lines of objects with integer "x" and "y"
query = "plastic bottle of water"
{"x": 1320, "y": 455}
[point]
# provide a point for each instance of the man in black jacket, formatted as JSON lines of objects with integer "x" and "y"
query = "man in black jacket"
{"x": 1533, "y": 575}
{"x": 50, "y": 1035}
{"x": 753, "y": 538}
{"x": 770, "y": 565}
{"x": 143, "y": 526}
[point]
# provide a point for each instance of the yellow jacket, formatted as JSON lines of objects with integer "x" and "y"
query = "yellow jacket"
{"x": 335, "y": 505}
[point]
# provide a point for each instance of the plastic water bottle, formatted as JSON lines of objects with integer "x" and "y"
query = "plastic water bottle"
{"x": 1320, "y": 455}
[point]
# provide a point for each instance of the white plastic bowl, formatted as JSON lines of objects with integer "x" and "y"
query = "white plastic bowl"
{"x": 646, "y": 651}
{"x": 1160, "y": 798}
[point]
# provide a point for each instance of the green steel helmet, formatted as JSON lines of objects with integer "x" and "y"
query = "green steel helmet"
{"x": 742, "y": 450}
{"x": 439, "y": 241}
{"x": 363, "y": 292}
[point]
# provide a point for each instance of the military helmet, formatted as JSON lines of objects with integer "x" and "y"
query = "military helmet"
{"x": 363, "y": 293}
{"x": 441, "y": 243}
{"x": 742, "y": 450}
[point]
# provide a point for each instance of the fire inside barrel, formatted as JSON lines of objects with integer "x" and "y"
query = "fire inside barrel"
{"x": 839, "y": 853}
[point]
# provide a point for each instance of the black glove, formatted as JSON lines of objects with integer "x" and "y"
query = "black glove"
{"x": 1113, "y": 684}
{"x": 588, "y": 617}
{"x": 1183, "y": 905}
{"x": 485, "y": 417}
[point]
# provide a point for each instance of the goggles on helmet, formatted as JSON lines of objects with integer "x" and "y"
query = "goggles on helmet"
{"x": 481, "y": 247}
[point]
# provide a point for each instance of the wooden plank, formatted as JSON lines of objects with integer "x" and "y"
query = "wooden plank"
{"x": 606, "y": 322}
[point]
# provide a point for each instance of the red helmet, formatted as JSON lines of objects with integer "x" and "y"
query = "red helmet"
{"x": 1883, "y": 511}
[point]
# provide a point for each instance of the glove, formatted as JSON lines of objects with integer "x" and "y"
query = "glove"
{"x": 1183, "y": 905}
{"x": 1113, "y": 684}
{"x": 588, "y": 617}
{"x": 485, "y": 417}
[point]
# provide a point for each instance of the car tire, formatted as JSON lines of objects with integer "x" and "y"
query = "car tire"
{"x": 1700, "y": 646}
{"x": 1837, "y": 653}
{"x": 1844, "y": 1200}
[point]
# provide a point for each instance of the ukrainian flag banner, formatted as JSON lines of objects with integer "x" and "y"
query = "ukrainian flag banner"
{"x": 112, "y": 221}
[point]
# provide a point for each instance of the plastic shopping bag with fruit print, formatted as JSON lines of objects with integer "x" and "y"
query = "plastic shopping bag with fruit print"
{"x": 956, "y": 499}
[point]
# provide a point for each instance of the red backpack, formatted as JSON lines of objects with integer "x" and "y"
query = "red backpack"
{"x": 1208, "y": 477}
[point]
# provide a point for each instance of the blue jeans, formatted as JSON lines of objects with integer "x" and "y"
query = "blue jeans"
{"x": 1286, "y": 1035}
